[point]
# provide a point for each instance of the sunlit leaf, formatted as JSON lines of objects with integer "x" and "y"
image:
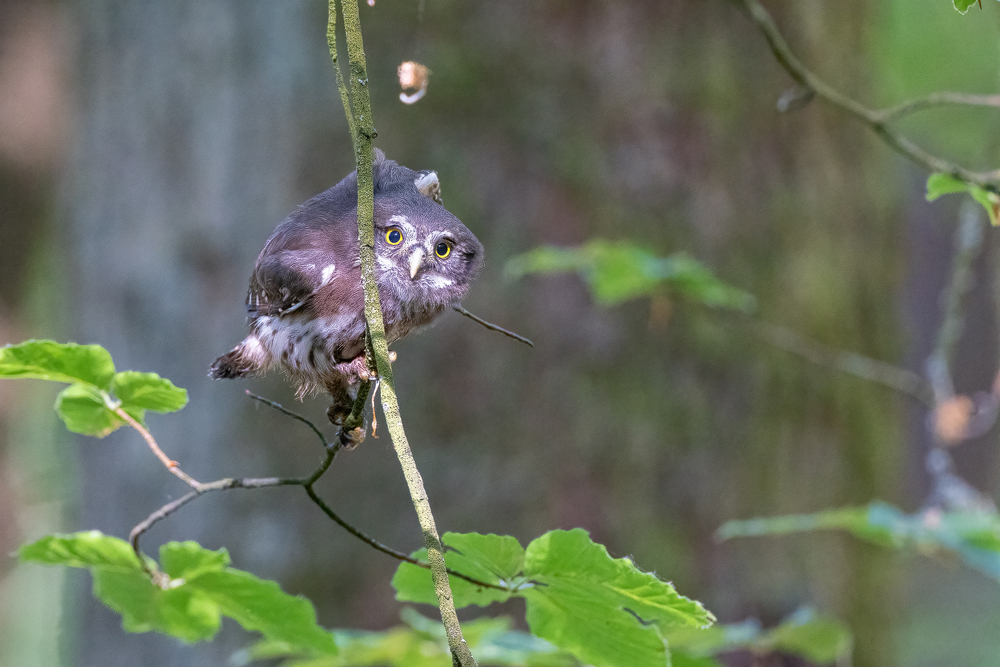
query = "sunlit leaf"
{"x": 943, "y": 184}
{"x": 963, "y": 5}
{"x": 194, "y": 587}
{"x": 83, "y": 409}
{"x": 619, "y": 271}
{"x": 492, "y": 559}
{"x": 422, "y": 643}
{"x": 179, "y": 611}
{"x": 89, "y": 549}
{"x": 604, "y": 610}
{"x": 187, "y": 560}
{"x": 148, "y": 391}
{"x": 61, "y": 362}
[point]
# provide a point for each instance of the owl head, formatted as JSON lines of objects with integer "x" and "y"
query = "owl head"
{"x": 426, "y": 256}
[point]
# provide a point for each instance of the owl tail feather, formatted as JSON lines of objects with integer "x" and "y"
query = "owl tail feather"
{"x": 236, "y": 363}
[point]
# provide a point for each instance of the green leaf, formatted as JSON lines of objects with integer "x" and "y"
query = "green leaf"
{"x": 604, "y": 610}
{"x": 187, "y": 560}
{"x": 61, "y": 362}
{"x": 191, "y": 594}
{"x": 148, "y": 391}
{"x": 974, "y": 537}
{"x": 943, "y": 184}
{"x": 422, "y": 643}
{"x": 89, "y": 549}
{"x": 179, "y": 610}
{"x": 492, "y": 559}
{"x": 260, "y": 605}
{"x": 818, "y": 639}
{"x": 619, "y": 271}
{"x": 83, "y": 409}
{"x": 963, "y": 5}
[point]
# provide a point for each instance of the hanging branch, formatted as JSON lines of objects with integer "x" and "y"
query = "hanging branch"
{"x": 363, "y": 134}
{"x": 877, "y": 120}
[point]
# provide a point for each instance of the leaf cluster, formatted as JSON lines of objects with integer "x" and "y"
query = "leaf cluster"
{"x": 88, "y": 405}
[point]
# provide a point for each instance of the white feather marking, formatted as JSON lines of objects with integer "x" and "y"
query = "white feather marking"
{"x": 327, "y": 274}
{"x": 384, "y": 263}
{"x": 437, "y": 281}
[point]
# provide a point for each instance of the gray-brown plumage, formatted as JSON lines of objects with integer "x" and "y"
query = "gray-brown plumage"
{"x": 305, "y": 305}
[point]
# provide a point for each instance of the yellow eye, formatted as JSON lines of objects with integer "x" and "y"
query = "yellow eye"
{"x": 442, "y": 249}
{"x": 394, "y": 236}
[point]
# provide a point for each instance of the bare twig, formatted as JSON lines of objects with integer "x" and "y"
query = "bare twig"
{"x": 306, "y": 482}
{"x": 968, "y": 241}
{"x": 876, "y": 120}
{"x": 939, "y": 99}
{"x": 285, "y": 411}
{"x": 170, "y": 464}
{"x": 896, "y": 378}
{"x": 492, "y": 327}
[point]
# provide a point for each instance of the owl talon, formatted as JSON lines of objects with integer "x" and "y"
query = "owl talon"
{"x": 351, "y": 439}
{"x": 337, "y": 414}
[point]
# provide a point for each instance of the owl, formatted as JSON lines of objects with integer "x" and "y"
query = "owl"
{"x": 305, "y": 304}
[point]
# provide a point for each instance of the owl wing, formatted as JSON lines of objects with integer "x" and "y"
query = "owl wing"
{"x": 287, "y": 281}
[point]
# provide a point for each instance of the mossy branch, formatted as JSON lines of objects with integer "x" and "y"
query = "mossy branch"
{"x": 359, "y": 108}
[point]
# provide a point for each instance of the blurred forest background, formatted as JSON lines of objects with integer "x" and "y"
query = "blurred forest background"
{"x": 147, "y": 150}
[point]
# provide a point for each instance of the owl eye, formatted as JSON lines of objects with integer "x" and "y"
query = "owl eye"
{"x": 394, "y": 236}
{"x": 442, "y": 249}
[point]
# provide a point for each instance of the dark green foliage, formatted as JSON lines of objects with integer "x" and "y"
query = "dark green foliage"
{"x": 973, "y": 537}
{"x": 618, "y": 271}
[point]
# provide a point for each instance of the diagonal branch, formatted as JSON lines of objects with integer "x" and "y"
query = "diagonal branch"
{"x": 899, "y": 379}
{"x": 305, "y": 482}
{"x": 492, "y": 327}
{"x": 876, "y": 120}
{"x": 363, "y": 151}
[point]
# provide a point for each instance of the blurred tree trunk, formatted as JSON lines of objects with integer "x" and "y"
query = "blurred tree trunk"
{"x": 189, "y": 129}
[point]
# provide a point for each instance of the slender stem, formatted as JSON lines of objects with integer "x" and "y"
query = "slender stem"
{"x": 331, "y": 42}
{"x": 285, "y": 411}
{"x": 363, "y": 135}
{"x": 968, "y": 242}
{"x": 876, "y": 120}
{"x": 899, "y": 379}
{"x": 491, "y": 326}
{"x": 269, "y": 482}
{"x": 939, "y": 99}
{"x": 170, "y": 464}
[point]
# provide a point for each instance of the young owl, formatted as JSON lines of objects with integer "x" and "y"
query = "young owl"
{"x": 305, "y": 305}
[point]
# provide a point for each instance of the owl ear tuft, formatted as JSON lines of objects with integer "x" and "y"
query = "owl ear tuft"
{"x": 429, "y": 186}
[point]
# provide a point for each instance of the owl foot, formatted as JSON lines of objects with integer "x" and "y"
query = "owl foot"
{"x": 351, "y": 439}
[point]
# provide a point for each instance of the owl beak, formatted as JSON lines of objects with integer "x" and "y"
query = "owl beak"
{"x": 416, "y": 259}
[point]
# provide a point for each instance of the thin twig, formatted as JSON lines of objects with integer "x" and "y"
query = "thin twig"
{"x": 968, "y": 242}
{"x": 285, "y": 411}
{"x": 876, "y": 120}
{"x": 899, "y": 379}
{"x": 170, "y": 464}
{"x": 269, "y": 482}
{"x": 492, "y": 327}
{"x": 939, "y": 99}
